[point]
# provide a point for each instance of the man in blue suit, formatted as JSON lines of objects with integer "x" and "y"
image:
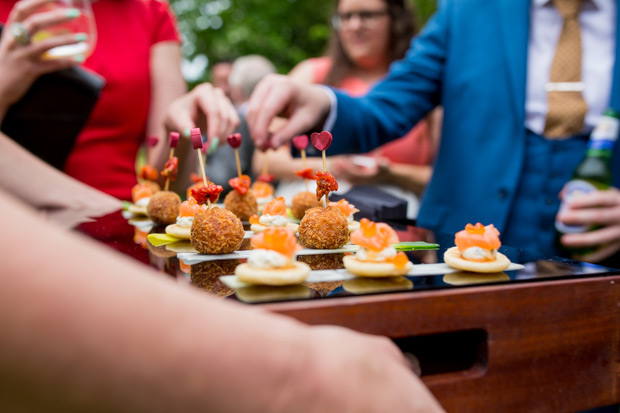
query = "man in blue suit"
{"x": 487, "y": 63}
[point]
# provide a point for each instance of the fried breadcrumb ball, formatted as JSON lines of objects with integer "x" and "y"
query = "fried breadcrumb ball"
{"x": 324, "y": 228}
{"x": 153, "y": 186}
{"x": 216, "y": 231}
{"x": 163, "y": 207}
{"x": 243, "y": 206}
{"x": 302, "y": 202}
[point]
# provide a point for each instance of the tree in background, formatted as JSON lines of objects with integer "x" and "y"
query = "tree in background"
{"x": 285, "y": 31}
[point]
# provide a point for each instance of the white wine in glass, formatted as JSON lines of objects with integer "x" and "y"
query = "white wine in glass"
{"x": 84, "y": 24}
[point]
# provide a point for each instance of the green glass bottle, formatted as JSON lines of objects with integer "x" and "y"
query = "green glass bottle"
{"x": 593, "y": 172}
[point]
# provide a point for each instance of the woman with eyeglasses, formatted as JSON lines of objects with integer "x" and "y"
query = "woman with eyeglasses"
{"x": 367, "y": 36}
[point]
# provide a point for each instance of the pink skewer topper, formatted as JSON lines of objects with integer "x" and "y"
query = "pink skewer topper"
{"x": 196, "y": 138}
{"x": 234, "y": 140}
{"x": 174, "y": 139}
{"x": 321, "y": 140}
{"x": 300, "y": 142}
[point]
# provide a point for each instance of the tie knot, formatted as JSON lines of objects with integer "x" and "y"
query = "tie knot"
{"x": 568, "y": 9}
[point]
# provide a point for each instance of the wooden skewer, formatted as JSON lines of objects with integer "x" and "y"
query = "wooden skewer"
{"x": 173, "y": 140}
{"x": 324, "y": 170}
{"x": 203, "y": 173}
{"x": 238, "y": 162}
{"x": 197, "y": 144}
{"x": 167, "y": 184}
{"x": 303, "y": 163}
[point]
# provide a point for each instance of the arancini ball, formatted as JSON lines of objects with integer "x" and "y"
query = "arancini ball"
{"x": 302, "y": 202}
{"x": 243, "y": 206}
{"x": 163, "y": 207}
{"x": 216, "y": 231}
{"x": 324, "y": 228}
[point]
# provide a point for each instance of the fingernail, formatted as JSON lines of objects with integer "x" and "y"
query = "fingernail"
{"x": 214, "y": 143}
{"x": 80, "y": 37}
{"x": 187, "y": 132}
{"x": 79, "y": 58}
{"x": 73, "y": 13}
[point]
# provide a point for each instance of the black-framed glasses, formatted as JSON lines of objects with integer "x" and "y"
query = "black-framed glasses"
{"x": 366, "y": 17}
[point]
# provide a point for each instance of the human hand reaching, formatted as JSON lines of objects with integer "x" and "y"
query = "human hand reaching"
{"x": 304, "y": 106}
{"x": 205, "y": 107}
{"x": 360, "y": 169}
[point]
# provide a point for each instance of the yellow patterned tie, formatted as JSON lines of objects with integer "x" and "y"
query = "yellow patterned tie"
{"x": 567, "y": 108}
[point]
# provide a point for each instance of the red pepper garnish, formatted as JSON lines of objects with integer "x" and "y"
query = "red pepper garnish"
{"x": 211, "y": 192}
{"x": 306, "y": 174}
{"x": 325, "y": 183}
{"x": 266, "y": 178}
{"x": 241, "y": 184}
{"x": 171, "y": 168}
{"x": 195, "y": 178}
{"x": 149, "y": 173}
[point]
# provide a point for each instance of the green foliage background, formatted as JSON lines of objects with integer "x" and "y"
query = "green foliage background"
{"x": 285, "y": 31}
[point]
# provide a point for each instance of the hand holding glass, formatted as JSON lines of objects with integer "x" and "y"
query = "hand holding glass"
{"x": 81, "y": 25}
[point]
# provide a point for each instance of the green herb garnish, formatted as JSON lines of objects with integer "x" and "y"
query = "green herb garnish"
{"x": 414, "y": 246}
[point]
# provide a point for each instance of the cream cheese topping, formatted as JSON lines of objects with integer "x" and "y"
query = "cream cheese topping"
{"x": 143, "y": 202}
{"x": 264, "y": 199}
{"x": 363, "y": 255}
{"x": 261, "y": 258}
{"x": 477, "y": 253}
{"x": 185, "y": 222}
{"x": 273, "y": 220}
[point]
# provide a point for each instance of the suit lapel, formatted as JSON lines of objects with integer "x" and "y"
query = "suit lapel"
{"x": 514, "y": 22}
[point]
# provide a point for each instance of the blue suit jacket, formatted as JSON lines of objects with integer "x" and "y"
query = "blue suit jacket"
{"x": 471, "y": 58}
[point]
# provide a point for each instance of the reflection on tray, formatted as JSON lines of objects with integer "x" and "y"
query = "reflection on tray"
{"x": 365, "y": 285}
{"x": 323, "y": 261}
{"x": 205, "y": 275}
{"x": 469, "y": 278}
{"x": 264, "y": 293}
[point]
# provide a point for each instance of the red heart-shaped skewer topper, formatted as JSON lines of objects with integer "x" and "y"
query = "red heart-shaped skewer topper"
{"x": 234, "y": 140}
{"x": 321, "y": 140}
{"x": 300, "y": 142}
{"x": 196, "y": 138}
{"x": 174, "y": 139}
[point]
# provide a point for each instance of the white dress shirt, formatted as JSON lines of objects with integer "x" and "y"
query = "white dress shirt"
{"x": 598, "y": 39}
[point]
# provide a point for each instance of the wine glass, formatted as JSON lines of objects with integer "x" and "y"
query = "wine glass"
{"x": 83, "y": 24}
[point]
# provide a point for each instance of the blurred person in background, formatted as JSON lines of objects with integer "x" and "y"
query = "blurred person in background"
{"x": 220, "y": 73}
{"x": 138, "y": 54}
{"x": 245, "y": 74}
{"x": 367, "y": 36}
